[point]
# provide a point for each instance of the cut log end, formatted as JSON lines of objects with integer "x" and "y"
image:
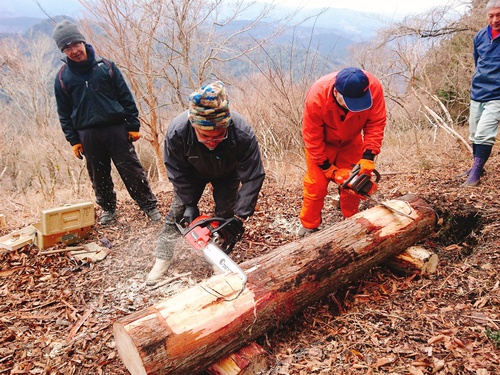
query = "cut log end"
{"x": 128, "y": 350}
{"x": 414, "y": 259}
{"x": 249, "y": 360}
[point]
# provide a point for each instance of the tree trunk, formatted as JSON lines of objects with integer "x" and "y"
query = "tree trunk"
{"x": 193, "y": 329}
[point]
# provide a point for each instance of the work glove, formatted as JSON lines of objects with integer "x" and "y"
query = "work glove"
{"x": 367, "y": 166}
{"x": 134, "y": 136}
{"x": 341, "y": 175}
{"x": 330, "y": 172}
{"x": 190, "y": 213}
{"x": 78, "y": 150}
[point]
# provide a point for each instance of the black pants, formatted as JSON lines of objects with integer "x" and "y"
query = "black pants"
{"x": 111, "y": 143}
{"x": 225, "y": 193}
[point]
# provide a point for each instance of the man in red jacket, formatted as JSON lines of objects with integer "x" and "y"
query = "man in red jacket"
{"x": 342, "y": 126}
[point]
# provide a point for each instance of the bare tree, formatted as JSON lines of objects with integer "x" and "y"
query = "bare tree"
{"x": 26, "y": 79}
{"x": 169, "y": 48}
{"x": 34, "y": 156}
{"x": 278, "y": 86}
{"x": 425, "y": 63}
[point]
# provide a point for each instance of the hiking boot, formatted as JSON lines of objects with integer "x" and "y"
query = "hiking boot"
{"x": 153, "y": 214}
{"x": 159, "y": 269}
{"x": 302, "y": 232}
{"x": 107, "y": 217}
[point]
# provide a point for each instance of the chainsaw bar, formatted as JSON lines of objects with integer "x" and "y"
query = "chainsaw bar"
{"x": 218, "y": 258}
{"x": 206, "y": 237}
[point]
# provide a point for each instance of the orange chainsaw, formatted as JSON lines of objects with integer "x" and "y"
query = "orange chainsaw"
{"x": 362, "y": 184}
{"x": 214, "y": 238}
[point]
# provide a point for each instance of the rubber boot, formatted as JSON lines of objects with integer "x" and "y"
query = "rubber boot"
{"x": 481, "y": 155}
{"x": 303, "y": 231}
{"x": 164, "y": 251}
{"x": 467, "y": 172}
{"x": 159, "y": 269}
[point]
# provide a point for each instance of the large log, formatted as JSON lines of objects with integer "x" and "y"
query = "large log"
{"x": 193, "y": 329}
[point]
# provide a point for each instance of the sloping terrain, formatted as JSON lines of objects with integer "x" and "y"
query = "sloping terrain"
{"x": 56, "y": 314}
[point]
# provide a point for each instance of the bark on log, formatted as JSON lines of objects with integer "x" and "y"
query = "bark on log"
{"x": 195, "y": 328}
{"x": 415, "y": 259}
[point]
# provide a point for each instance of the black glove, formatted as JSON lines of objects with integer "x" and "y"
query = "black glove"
{"x": 232, "y": 230}
{"x": 190, "y": 213}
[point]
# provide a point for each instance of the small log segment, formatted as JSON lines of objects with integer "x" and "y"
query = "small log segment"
{"x": 200, "y": 325}
{"x": 415, "y": 259}
{"x": 249, "y": 360}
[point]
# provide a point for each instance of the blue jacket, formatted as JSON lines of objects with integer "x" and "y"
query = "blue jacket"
{"x": 486, "y": 79}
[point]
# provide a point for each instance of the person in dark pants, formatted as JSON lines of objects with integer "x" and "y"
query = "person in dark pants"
{"x": 208, "y": 144}
{"x": 100, "y": 120}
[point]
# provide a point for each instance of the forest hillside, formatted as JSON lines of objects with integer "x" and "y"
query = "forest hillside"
{"x": 56, "y": 313}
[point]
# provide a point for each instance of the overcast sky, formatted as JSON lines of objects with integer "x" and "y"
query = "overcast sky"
{"x": 400, "y": 7}
{"x": 388, "y": 7}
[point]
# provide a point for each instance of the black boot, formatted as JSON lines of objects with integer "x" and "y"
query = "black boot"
{"x": 481, "y": 155}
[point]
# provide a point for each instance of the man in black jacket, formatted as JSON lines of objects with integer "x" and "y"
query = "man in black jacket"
{"x": 100, "y": 120}
{"x": 208, "y": 144}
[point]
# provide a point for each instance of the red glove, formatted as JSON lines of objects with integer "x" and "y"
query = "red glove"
{"x": 341, "y": 175}
{"x": 134, "y": 136}
{"x": 367, "y": 166}
{"x": 78, "y": 150}
{"x": 330, "y": 172}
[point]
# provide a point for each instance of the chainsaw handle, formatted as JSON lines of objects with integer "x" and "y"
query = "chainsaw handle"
{"x": 355, "y": 172}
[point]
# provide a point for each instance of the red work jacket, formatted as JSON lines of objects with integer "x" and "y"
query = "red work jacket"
{"x": 325, "y": 124}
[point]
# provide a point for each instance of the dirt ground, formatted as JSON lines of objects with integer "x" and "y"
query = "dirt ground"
{"x": 56, "y": 314}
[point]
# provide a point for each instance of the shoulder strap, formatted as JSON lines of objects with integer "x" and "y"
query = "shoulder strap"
{"x": 61, "y": 82}
{"x": 110, "y": 67}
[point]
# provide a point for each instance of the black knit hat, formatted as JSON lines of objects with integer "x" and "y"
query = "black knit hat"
{"x": 66, "y": 33}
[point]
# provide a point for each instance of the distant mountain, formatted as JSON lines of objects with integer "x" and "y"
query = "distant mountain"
{"x": 19, "y": 15}
{"x": 17, "y": 25}
{"x": 30, "y": 8}
{"x": 331, "y": 32}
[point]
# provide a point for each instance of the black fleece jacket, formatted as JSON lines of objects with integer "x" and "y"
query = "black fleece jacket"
{"x": 93, "y": 94}
{"x": 189, "y": 162}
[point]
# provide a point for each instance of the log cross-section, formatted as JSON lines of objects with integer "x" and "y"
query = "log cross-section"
{"x": 191, "y": 330}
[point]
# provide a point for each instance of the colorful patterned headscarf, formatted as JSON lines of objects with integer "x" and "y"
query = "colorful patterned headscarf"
{"x": 209, "y": 107}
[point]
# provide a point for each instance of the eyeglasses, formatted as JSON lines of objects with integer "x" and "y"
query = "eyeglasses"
{"x": 202, "y": 138}
{"x": 72, "y": 47}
